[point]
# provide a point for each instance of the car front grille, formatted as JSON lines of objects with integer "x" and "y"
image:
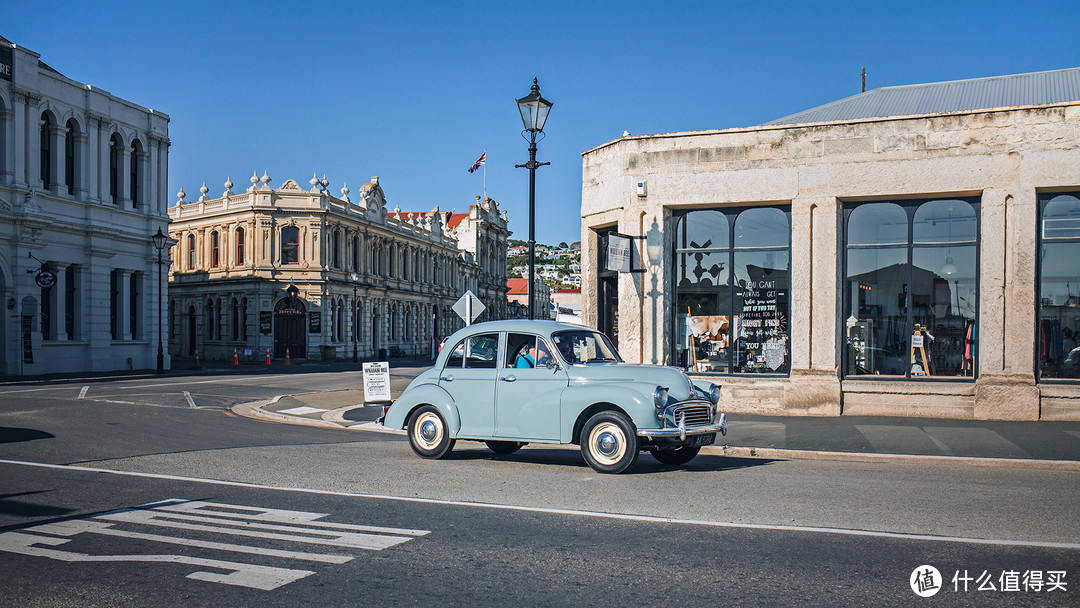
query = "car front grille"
{"x": 695, "y": 415}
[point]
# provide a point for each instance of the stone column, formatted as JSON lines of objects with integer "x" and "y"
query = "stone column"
{"x": 18, "y": 144}
{"x": 123, "y": 185}
{"x": 123, "y": 299}
{"x": 82, "y": 165}
{"x": 59, "y": 295}
{"x": 56, "y": 159}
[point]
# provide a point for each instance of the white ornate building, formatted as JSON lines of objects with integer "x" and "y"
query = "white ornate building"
{"x": 83, "y": 178}
{"x": 307, "y": 274}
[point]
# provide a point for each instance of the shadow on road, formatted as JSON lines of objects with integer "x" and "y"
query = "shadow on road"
{"x": 19, "y": 508}
{"x": 571, "y": 457}
{"x": 13, "y": 435}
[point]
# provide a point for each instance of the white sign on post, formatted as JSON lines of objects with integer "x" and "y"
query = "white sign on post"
{"x": 618, "y": 253}
{"x": 376, "y": 382}
{"x": 468, "y": 307}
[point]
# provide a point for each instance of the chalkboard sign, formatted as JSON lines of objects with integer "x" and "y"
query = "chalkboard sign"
{"x": 314, "y": 322}
{"x": 763, "y": 330}
{"x": 266, "y": 322}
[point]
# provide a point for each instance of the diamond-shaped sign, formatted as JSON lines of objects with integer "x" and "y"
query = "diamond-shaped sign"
{"x": 468, "y": 307}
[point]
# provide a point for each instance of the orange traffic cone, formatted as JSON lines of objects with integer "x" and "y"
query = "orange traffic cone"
{"x": 287, "y": 360}
{"x": 197, "y": 364}
{"x": 235, "y": 359}
{"x": 268, "y": 355}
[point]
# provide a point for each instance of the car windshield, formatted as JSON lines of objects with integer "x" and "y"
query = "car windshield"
{"x": 584, "y": 347}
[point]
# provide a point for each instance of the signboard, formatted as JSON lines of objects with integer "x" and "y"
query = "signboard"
{"x": 762, "y": 331}
{"x": 376, "y": 382}
{"x": 468, "y": 307}
{"x": 266, "y": 322}
{"x": 916, "y": 341}
{"x": 315, "y": 322}
{"x": 618, "y": 253}
{"x": 45, "y": 278}
{"x": 7, "y": 63}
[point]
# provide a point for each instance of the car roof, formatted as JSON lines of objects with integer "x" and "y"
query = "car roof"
{"x": 523, "y": 325}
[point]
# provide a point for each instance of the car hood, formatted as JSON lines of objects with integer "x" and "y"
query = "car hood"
{"x": 649, "y": 376}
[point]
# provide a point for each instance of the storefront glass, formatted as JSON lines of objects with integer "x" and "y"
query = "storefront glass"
{"x": 1058, "y": 336}
{"x": 732, "y": 270}
{"x": 911, "y": 290}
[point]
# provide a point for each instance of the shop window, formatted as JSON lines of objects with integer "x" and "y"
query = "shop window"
{"x": 911, "y": 290}
{"x": 732, "y": 280}
{"x": 1058, "y": 336}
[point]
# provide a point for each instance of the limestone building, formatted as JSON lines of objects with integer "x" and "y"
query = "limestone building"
{"x": 310, "y": 275}
{"x": 906, "y": 251}
{"x": 83, "y": 178}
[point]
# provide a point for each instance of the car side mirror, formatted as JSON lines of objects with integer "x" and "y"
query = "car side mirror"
{"x": 551, "y": 365}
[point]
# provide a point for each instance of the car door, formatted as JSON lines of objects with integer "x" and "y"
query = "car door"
{"x": 469, "y": 376}
{"x": 527, "y": 398}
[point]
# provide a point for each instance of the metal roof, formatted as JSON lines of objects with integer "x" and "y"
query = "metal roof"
{"x": 1035, "y": 88}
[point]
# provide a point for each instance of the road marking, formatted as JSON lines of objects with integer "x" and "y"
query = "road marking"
{"x": 219, "y": 519}
{"x": 300, "y": 411}
{"x": 82, "y": 393}
{"x": 573, "y": 512}
{"x": 190, "y": 401}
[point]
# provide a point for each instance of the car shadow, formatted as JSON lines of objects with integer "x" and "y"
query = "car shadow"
{"x": 21, "y": 508}
{"x": 13, "y": 435}
{"x": 645, "y": 465}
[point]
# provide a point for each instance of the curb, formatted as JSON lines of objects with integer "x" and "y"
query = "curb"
{"x": 330, "y": 420}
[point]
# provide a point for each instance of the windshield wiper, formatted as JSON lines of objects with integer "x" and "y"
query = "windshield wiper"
{"x": 600, "y": 359}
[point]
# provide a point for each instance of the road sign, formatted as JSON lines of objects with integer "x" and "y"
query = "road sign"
{"x": 468, "y": 307}
{"x": 376, "y": 382}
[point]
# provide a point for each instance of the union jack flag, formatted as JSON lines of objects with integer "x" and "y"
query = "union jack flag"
{"x": 480, "y": 161}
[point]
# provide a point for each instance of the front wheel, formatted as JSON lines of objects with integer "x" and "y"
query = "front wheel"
{"x": 428, "y": 435}
{"x": 677, "y": 456}
{"x": 608, "y": 442}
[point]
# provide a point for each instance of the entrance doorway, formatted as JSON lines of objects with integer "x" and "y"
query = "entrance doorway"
{"x": 607, "y": 296}
{"x": 290, "y": 332}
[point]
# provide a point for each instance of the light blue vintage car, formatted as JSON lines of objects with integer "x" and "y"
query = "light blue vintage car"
{"x": 509, "y": 383}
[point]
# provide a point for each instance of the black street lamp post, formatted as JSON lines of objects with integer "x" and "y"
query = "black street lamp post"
{"x": 161, "y": 243}
{"x": 534, "y": 112}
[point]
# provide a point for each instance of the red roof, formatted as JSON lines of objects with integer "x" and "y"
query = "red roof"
{"x": 450, "y": 219}
{"x": 518, "y": 287}
{"x": 569, "y": 291}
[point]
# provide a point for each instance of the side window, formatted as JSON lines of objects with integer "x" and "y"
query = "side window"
{"x": 481, "y": 351}
{"x": 457, "y": 356}
{"x": 526, "y": 350}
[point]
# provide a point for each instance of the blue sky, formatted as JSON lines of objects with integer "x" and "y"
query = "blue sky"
{"x": 414, "y": 91}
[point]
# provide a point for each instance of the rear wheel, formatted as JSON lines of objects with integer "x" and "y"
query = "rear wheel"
{"x": 608, "y": 442}
{"x": 428, "y": 435}
{"x": 504, "y": 447}
{"x": 676, "y": 456}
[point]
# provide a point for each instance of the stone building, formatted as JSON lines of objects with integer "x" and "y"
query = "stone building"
{"x": 83, "y": 178}
{"x": 305, "y": 274}
{"x": 906, "y": 251}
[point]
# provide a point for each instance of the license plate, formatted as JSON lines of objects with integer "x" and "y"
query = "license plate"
{"x": 701, "y": 440}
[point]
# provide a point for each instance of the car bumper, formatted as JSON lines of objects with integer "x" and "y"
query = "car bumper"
{"x": 682, "y": 432}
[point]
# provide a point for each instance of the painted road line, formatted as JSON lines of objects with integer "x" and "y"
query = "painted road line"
{"x": 1074, "y": 546}
{"x": 190, "y": 401}
{"x": 82, "y": 393}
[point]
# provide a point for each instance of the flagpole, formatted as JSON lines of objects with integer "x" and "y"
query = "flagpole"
{"x": 485, "y": 174}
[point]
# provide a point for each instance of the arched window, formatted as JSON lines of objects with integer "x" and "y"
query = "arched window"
{"x": 71, "y": 172}
{"x": 290, "y": 245}
{"x": 239, "y": 246}
{"x": 135, "y": 173}
{"x": 910, "y": 292}
{"x": 214, "y": 249}
{"x": 45, "y": 134}
{"x": 732, "y": 285}
{"x": 115, "y": 145}
{"x": 191, "y": 252}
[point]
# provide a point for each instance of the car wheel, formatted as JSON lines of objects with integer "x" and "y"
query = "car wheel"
{"x": 504, "y": 447}
{"x": 676, "y": 456}
{"x": 428, "y": 435}
{"x": 608, "y": 442}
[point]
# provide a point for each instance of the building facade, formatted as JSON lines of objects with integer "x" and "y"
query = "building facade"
{"x": 299, "y": 273}
{"x": 907, "y": 251}
{"x": 518, "y": 296}
{"x": 83, "y": 178}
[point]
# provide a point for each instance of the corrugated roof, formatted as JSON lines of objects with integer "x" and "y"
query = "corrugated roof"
{"x": 1035, "y": 88}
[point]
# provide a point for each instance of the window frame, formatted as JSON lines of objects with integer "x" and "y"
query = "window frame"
{"x": 1042, "y": 199}
{"x": 731, "y": 213}
{"x": 910, "y": 207}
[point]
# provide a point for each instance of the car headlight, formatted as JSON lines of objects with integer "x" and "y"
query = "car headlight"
{"x": 714, "y": 394}
{"x": 660, "y": 397}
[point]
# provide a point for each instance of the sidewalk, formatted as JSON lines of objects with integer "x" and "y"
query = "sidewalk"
{"x": 863, "y": 438}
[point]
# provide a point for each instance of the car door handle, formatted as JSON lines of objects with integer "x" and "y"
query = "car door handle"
{"x": 447, "y": 378}
{"x": 508, "y": 378}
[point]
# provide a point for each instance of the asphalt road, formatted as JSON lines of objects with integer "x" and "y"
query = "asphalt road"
{"x": 536, "y": 528}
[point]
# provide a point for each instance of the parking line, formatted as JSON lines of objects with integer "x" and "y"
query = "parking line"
{"x": 572, "y": 512}
{"x": 82, "y": 393}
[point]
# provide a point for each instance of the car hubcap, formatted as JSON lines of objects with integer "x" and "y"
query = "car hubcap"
{"x": 428, "y": 431}
{"x": 608, "y": 443}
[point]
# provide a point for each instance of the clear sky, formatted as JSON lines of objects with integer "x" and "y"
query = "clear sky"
{"x": 415, "y": 91}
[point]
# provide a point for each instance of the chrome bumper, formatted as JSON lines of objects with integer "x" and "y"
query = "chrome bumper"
{"x": 682, "y": 432}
